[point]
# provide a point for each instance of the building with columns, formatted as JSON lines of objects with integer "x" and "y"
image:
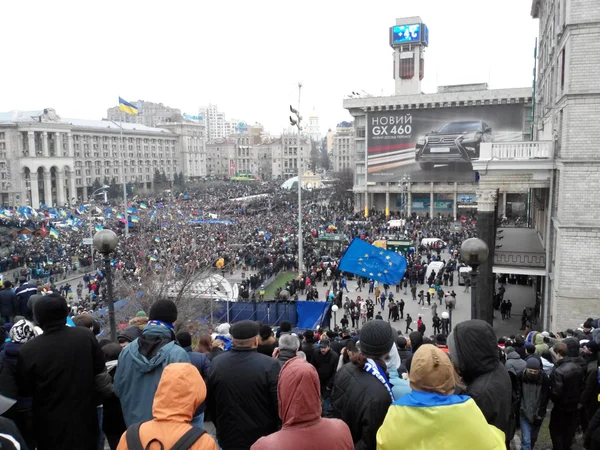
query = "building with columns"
{"x": 48, "y": 160}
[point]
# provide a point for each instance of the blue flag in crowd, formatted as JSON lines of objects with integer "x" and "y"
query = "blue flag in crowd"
{"x": 373, "y": 262}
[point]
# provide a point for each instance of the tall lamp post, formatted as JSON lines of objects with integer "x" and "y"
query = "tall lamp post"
{"x": 474, "y": 252}
{"x": 296, "y": 122}
{"x": 405, "y": 183}
{"x": 334, "y": 308}
{"x": 450, "y": 304}
{"x": 105, "y": 242}
{"x": 91, "y": 198}
{"x": 446, "y": 323}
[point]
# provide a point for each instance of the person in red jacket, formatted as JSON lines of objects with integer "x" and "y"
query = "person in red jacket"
{"x": 299, "y": 398}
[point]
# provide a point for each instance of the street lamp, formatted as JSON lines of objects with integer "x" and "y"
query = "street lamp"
{"x": 296, "y": 122}
{"x": 445, "y": 323}
{"x": 474, "y": 252}
{"x": 91, "y": 198}
{"x": 105, "y": 242}
{"x": 334, "y": 308}
{"x": 450, "y": 304}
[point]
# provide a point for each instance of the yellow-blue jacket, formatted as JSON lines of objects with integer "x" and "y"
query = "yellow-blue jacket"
{"x": 424, "y": 420}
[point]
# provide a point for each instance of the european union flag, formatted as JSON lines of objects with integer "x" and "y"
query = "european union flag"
{"x": 373, "y": 262}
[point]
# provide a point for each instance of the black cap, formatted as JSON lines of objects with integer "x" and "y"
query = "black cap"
{"x": 184, "y": 338}
{"x": 130, "y": 333}
{"x": 325, "y": 343}
{"x": 440, "y": 339}
{"x": 244, "y": 329}
{"x": 50, "y": 310}
{"x": 164, "y": 311}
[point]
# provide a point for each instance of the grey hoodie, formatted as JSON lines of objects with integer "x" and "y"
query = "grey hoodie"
{"x": 515, "y": 363}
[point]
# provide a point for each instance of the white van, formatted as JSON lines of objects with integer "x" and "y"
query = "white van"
{"x": 434, "y": 265}
{"x": 431, "y": 241}
{"x": 396, "y": 223}
{"x": 463, "y": 273}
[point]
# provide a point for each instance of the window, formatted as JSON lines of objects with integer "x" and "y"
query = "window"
{"x": 562, "y": 68}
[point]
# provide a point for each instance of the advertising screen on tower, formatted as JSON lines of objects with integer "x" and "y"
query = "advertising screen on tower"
{"x": 436, "y": 145}
{"x": 416, "y": 33}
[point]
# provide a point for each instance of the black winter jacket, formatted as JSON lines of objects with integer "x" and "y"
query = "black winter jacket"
{"x": 362, "y": 401}
{"x": 308, "y": 348}
{"x": 60, "y": 370}
{"x": 9, "y": 304}
{"x": 566, "y": 384}
{"x": 326, "y": 366}
{"x": 474, "y": 351}
{"x": 242, "y": 397}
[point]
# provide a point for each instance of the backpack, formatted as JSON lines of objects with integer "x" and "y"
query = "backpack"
{"x": 184, "y": 443}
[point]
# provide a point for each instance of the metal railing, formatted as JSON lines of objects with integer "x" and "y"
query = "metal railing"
{"x": 517, "y": 150}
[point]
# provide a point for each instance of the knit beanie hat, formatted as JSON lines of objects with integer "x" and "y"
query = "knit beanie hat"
{"x": 164, "y": 311}
{"x": 51, "y": 310}
{"x": 141, "y": 314}
{"x": 533, "y": 364}
{"x": 22, "y": 331}
{"x": 432, "y": 371}
{"x": 376, "y": 338}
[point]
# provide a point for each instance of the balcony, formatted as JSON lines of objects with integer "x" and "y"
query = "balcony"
{"x": 525, "y": 165}
{"x": 520, "y": 251}
{"x": 517, "y": 151}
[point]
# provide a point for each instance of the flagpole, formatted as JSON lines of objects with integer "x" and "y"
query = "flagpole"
{"x": 124, "y": 183}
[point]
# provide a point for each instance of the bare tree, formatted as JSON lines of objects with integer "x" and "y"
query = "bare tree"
{"x": 163, "y": 272}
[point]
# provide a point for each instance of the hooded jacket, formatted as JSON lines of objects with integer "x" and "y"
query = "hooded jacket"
{"x": 474, "y": 352}
{"x": 436, "y": 421}
{"x": 535, "y": 393}
{"x": 515, "y": 363}
{"x": 141, "y": 365}
{"x": 180, "y": 391}
{"x": 540, "y": 345}
{"x": 299, "y": 399}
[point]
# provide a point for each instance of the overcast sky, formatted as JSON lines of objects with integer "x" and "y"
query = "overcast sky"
{"x": 247, "y": 57}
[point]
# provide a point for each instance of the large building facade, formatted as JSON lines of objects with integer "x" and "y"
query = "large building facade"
{"x": 149, "y": 114}
{"x": 48, "y": 160}
{"x": 567, "y": 113}
{"x": 291, "y": 153}
{"x": 343, "y": 155}
{"x": 217, "y": 125}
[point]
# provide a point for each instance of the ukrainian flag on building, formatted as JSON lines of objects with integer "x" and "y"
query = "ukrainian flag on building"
{"x": 134, "y": 219}
{"x": 127, "y": 107}
{"x": 54, "y": 233}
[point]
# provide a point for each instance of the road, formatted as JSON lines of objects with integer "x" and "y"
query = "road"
{"x": 520, "y": 296}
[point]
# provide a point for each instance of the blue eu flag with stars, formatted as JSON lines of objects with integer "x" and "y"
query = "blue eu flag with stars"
{"x": 366, "y": 260}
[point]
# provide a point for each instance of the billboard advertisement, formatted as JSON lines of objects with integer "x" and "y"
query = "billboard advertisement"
{"x": 436, "y": 144}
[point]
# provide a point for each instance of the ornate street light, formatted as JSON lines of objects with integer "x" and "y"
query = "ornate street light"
{"x": 105, "y": 242}
{"x": 474, "y": 252}
{"x": 335, "y": 309}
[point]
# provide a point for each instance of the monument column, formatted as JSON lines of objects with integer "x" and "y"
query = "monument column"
{"x": 45, "y": 144}
{"x": 31, "y": 143}
{"x": 486, "y": 230}
{"x": 35, "y": 190}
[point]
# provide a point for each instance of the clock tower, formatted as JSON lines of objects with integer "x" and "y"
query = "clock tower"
{"x": 409, "y": 38}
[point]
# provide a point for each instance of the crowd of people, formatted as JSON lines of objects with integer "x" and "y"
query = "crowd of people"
{"x": 165, "y": 384}
{"x": 250, "y": 386}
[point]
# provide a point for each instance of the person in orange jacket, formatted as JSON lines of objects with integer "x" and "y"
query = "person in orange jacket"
{"x": 180, "y": 391}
